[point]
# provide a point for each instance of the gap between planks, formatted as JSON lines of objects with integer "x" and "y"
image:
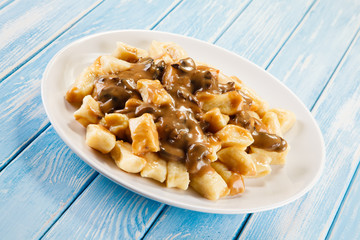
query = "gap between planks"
{"x": 83, "y": 188}
{"x": 336, "y": 69}
{"x": 331, "y": 79}
{"x": 163, "y": 209}
{"x": 5, "y": 4}
{"x": 55, "y": 36}
{"x": 328, "y": 235}
{"x": 171, "y": 9}
{"x": 242, "y": 226}
{"x": 25, "y": 145}
{"x": 231, "y": 22}
{"x": 296, "y": 28}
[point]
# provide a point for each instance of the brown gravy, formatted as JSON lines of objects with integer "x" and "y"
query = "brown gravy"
{"x": 262, "y": 139}
{"x": 236, "y": 184}
{"x": 182, "y": 134}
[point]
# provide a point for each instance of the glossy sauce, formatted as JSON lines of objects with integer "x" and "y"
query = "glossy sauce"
{"x": 262, "y": 139}
{"x": 183, "y": 135}
{"x": 236, "y": 184}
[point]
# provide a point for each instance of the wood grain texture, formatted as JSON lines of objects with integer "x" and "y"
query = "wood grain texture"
{"x": 228, "y": 225}
{"x": 4, "y": 4}
{"x": 202, "y": 20}
{"x": 38, "y": 185}
{"x": 119, "y": 15}
{"x": 346, "y": 225}
{"x": 39, "y": 19}
{"x": 338, "y": 114}
{"x": 176, "y": 223}
{"x": 263, "y": 28}
{"x": 310, "y": 56}
{"x": 21, "y": 111}
{"x": 106, "y": 211}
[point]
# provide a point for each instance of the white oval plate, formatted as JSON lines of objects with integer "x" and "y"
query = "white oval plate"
{"x": 285, "y": 184}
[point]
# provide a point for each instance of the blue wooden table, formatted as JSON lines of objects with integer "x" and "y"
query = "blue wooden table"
{"x": 46, "y": 191}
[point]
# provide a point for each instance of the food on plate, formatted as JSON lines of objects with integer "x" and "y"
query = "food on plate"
{"x": 182, "y": 123}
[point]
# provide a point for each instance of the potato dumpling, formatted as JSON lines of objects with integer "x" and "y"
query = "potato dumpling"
{"x": 155, "y": 168}
{"x": 258, "y": 104}
{"x": 216, "y": 119}
{"x": 177, "y": 175}
{"x": 110, "y": 64}
{"x": 125, "y": 159}
{"x": 89, "y": 112}
{"x": 271, "y": 121}
{"x": 285, "y": 117}
{"x": 262, "y": 164}
{"x": 234, "y": 180}
{"x": 129, "y": 53}
{"x": 277, "y": 158}
{"x": 167, "y": 51}
{"x": 117, "y": 123}
{"x": 153, "y": 92}
{"x": 237, "y": 160}
{"x": 82, "y": 86}
{"x": 229, "y": 103}
{"x": 233, "y": 135}
{"x": 209, "y": 184}
{"x": 214, "y": 147}
{"x": 144, "y": 135}
{"x": 100, "y": 138}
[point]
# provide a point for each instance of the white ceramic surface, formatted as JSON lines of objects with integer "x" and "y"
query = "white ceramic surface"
{"x": 285, "y": 184}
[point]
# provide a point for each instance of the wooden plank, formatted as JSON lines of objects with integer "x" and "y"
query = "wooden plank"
{"x": 208, "y": 20}
{"x": 310, "y": 56}
{"x": 262, "y": 29}
{"x": 176, "y": 223}
{"x": 346, "y": 225}
{"x": 5, "y": 4}
{"x": 38, "y": 19}
{"x": 38, "y": 186}
{"x": 106, "y": 211}
{"x": 311, "y": 216}
{"x": 21, "y": 111}
{"x": 227, "y": 226}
